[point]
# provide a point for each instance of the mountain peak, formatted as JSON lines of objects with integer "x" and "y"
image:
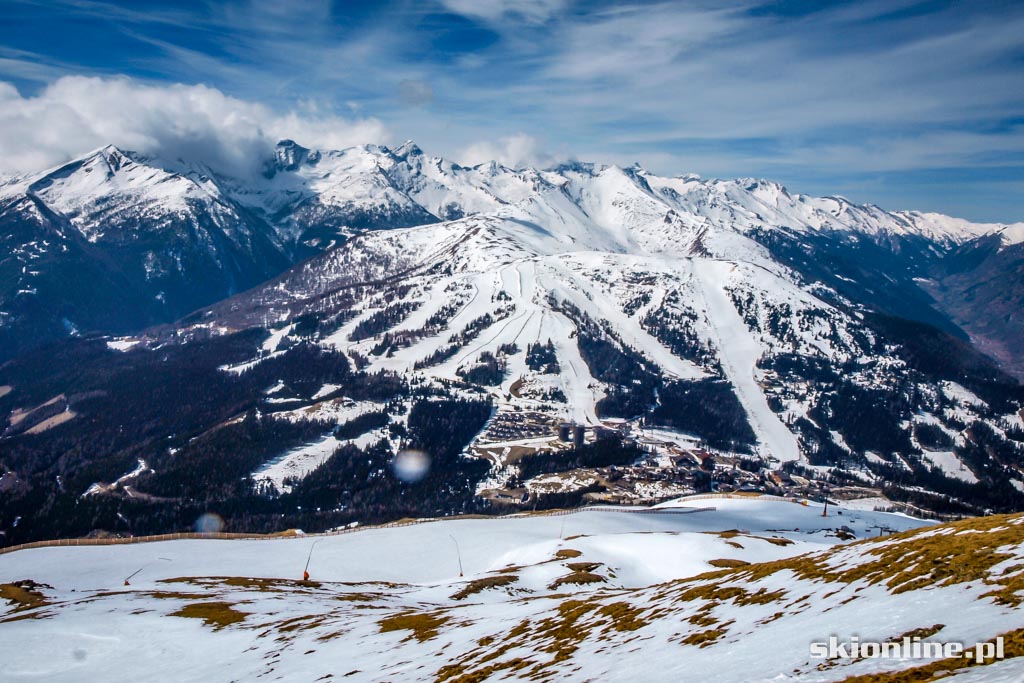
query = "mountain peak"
{"x": 290, "y": 154}
{"x": 407, "y": 149}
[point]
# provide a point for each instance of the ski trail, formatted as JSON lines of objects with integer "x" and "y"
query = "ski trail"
{"x": 588, "y": 297}
{"x": 580, "y": 387}
{"x": 738, "y": 353}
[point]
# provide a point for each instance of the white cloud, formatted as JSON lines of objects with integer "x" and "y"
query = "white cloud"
{"x": 531, "y": 11}
{"x": 76, "y": 114}
{"x": 516, "y": 151}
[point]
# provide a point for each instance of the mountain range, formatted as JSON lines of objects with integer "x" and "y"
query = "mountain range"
{"x": 329, "y": 305}
{"x": 157, "y": 239}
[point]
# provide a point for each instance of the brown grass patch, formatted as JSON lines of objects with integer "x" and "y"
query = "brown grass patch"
{"x": 623, "y": 616}
{"x": 706, "y": 638}
{"x": 957, "y": 552}
{"x": 577, "y": 579}
{"x": 478, "y": 585}
{"x": 727, "y": 563}
{"x": 215, "y": 614}
{"x": 422, "y": 625}
{"x": 922, "y": 633}
{"x": 25, "y": 596}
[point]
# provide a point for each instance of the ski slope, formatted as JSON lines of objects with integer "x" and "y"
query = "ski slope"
{"x": 739, "y": 355}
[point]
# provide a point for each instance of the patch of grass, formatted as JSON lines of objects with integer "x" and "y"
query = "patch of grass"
{"x": 27, "y": 597}
{"x": 565, "y": 631}
{"x": 215, "y": 614}
{"x": 702, "y": 618}
{"x": 776, "y": 540}
{"x": 24, "y": 595}
{"x": 423, "y": 625}
{"x": 567, "y": 553}
{"x": 577, "y": 579}
{"x": 583, "y": 566}
{"x": 712, "y": 592}
{"x": 922, "y": 633}
{"x": 730, "y": 533}
{"x": 623, "y": 616}
{"x": 171, "y": 595}
{"x": 761, "y": 597}
{"x": 301, "y": 623}
{"x": 457, "y": 672}
{"x": 727, "y": 563}
{"x": 478, "y": 585}
{"x": 558, "y": 635}
{"x": 356, "y": 597}
{"x": 706, "y": 638}
{"x": 957, "y": 552}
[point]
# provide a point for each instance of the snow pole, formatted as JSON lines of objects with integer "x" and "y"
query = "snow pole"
{"x": 458, "y": 553}
{"x": 305, "y": 570}
{"x": 127, "y": 580}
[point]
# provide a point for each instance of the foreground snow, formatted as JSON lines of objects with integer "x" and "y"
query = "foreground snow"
{"x": 595, "y": 595}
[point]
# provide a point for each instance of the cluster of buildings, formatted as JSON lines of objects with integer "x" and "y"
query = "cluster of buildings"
{"x": 517, "y": 425}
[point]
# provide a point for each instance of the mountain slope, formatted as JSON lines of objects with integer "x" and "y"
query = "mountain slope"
{"x": 175, "y": 235}
{"x": 979, "y": 285}
{"x": 113, "y": 243}
{"x": 645, "y": 312}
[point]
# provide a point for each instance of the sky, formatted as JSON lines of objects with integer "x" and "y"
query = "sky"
{"x": 909, "y": 104}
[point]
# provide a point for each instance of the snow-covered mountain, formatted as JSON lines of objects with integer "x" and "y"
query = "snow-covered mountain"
{"x": 115, "y": 241}
{"x": 157, "y": 238}
{"x": 610, "y": 296}
{"x": 716, "y": 589}
{"x": 666, "y": 317}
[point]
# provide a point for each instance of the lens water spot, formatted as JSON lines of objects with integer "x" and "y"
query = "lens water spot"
{"x": 209, "y": 523}
{"x": 411, "y": 466}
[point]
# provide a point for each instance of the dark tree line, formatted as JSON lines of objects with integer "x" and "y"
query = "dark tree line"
{"x": 706, "y": 408}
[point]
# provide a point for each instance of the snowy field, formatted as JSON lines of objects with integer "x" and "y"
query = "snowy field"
{"x": 389, "y": 604}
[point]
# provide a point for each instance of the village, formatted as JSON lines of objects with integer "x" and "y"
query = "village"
{"x": 668, "y": 465}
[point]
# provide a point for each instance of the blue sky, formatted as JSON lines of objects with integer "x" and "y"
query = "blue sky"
{"x": 903, "y": 103}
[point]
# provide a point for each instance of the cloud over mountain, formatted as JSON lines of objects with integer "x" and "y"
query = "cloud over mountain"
{"x": 75, "y": 114}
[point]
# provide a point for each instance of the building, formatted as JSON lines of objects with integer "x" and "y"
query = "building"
{"x": 565, "y": 432}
